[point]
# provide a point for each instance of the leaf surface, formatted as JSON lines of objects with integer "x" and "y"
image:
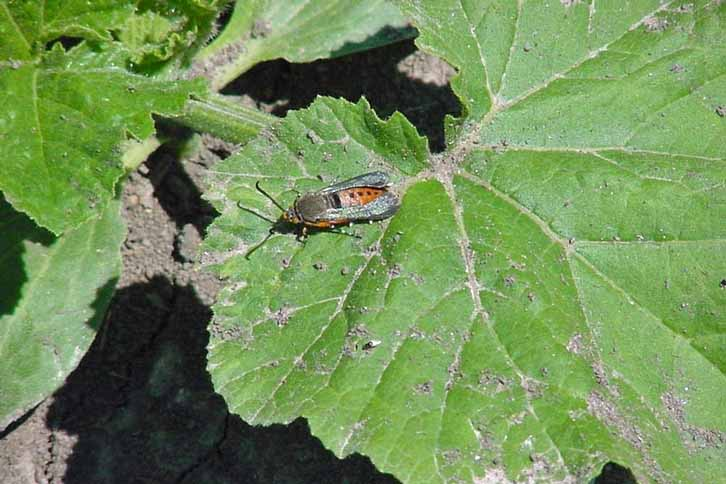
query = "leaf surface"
{"x": 53, "y": 297}
{"x": 66, "y": 115}
{"x": 551, "y": 294}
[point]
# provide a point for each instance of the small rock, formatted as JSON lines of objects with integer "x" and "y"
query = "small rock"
{"x": 186, "y": 243}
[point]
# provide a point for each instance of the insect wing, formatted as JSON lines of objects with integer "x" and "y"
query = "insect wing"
{"x": 382, "y": 207}
{"x": 374, "y": 179}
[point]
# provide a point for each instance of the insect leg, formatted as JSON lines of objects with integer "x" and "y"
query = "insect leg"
{"x": 257, "y": 246}
{"x": 302, "y": 233}
{"x": 356, "y": 236}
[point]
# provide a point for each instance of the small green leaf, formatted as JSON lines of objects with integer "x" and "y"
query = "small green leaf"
{"x": 26, "y": 26}
{"x": 301, "y": 31}
{"x": 53, "y": 296}
{"x": 161, "y": 30}
{"x": 62, "y": 128}
{"x": 67, "y": 115}
{"x": 550, "y": 296}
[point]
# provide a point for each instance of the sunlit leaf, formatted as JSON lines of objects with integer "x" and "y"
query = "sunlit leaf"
{"x": 551, "y": 295}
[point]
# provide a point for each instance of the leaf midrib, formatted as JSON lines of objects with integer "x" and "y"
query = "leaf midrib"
{"x": 480, "y": 312}
{"x": 338, "y": 310}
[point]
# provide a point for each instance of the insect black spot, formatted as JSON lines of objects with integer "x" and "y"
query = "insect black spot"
{"x": 368, "y": 192}
{"x": 360, "y": 194}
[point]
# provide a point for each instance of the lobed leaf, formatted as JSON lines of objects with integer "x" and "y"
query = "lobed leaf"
{"x": 550, "y": 296}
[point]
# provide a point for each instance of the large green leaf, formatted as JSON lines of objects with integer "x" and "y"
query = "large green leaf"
{"x": 550, "y": 296}
{"x": 300, "y": 31}
{"x": 65, "y": 115}
{"x": 53, "y": 296}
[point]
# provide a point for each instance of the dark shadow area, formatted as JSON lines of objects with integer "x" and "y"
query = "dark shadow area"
{"x": 141, "y": 407}
{"x": 175, "y": 190}
{"x": 100, "y": 304}
{"x": 221, "y": 23}
{"x": 15, "y": 228}
{"x": 281, "y": 86}
{"x": 67, "y": 42}
{"x": 613, "y": 473}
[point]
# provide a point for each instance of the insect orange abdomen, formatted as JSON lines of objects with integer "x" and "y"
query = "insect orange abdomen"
{"x": 358, "y": 195}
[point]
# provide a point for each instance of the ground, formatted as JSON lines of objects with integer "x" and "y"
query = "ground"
{"x": 140, "y": 407}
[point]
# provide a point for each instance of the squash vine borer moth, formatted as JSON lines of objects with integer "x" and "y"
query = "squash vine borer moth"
{"x": 364, "y": 198}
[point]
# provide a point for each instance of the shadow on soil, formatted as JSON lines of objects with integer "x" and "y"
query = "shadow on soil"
{"x": 142, "y": 409}
{"x": 177, "y": 193}
{"x": 374, "y": 74}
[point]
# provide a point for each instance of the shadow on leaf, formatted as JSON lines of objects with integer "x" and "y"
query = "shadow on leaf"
{"x": 16, "y": 229}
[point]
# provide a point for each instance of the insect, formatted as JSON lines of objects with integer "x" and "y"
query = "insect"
{"x": 360, "y": 199}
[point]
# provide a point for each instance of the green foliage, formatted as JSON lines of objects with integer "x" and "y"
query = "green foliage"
{"x": 300, "y": 31}
{"x": 66, "y": 114}
{"x": 71, "y": 122}
{"x": 161, "y": 30}
{"x": 53, "y": 296}
{"x": 548, "y": 298}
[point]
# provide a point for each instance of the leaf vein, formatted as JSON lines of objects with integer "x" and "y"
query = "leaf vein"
{"x": 591, "y": 55}
{"x": 325, "y": 327}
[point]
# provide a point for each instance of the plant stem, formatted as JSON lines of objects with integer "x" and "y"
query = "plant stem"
{"x": 221, "y": 117}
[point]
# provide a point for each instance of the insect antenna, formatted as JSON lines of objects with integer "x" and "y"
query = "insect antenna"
{"x": 253, "y": 212}
{"x": 259, "y": 188}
